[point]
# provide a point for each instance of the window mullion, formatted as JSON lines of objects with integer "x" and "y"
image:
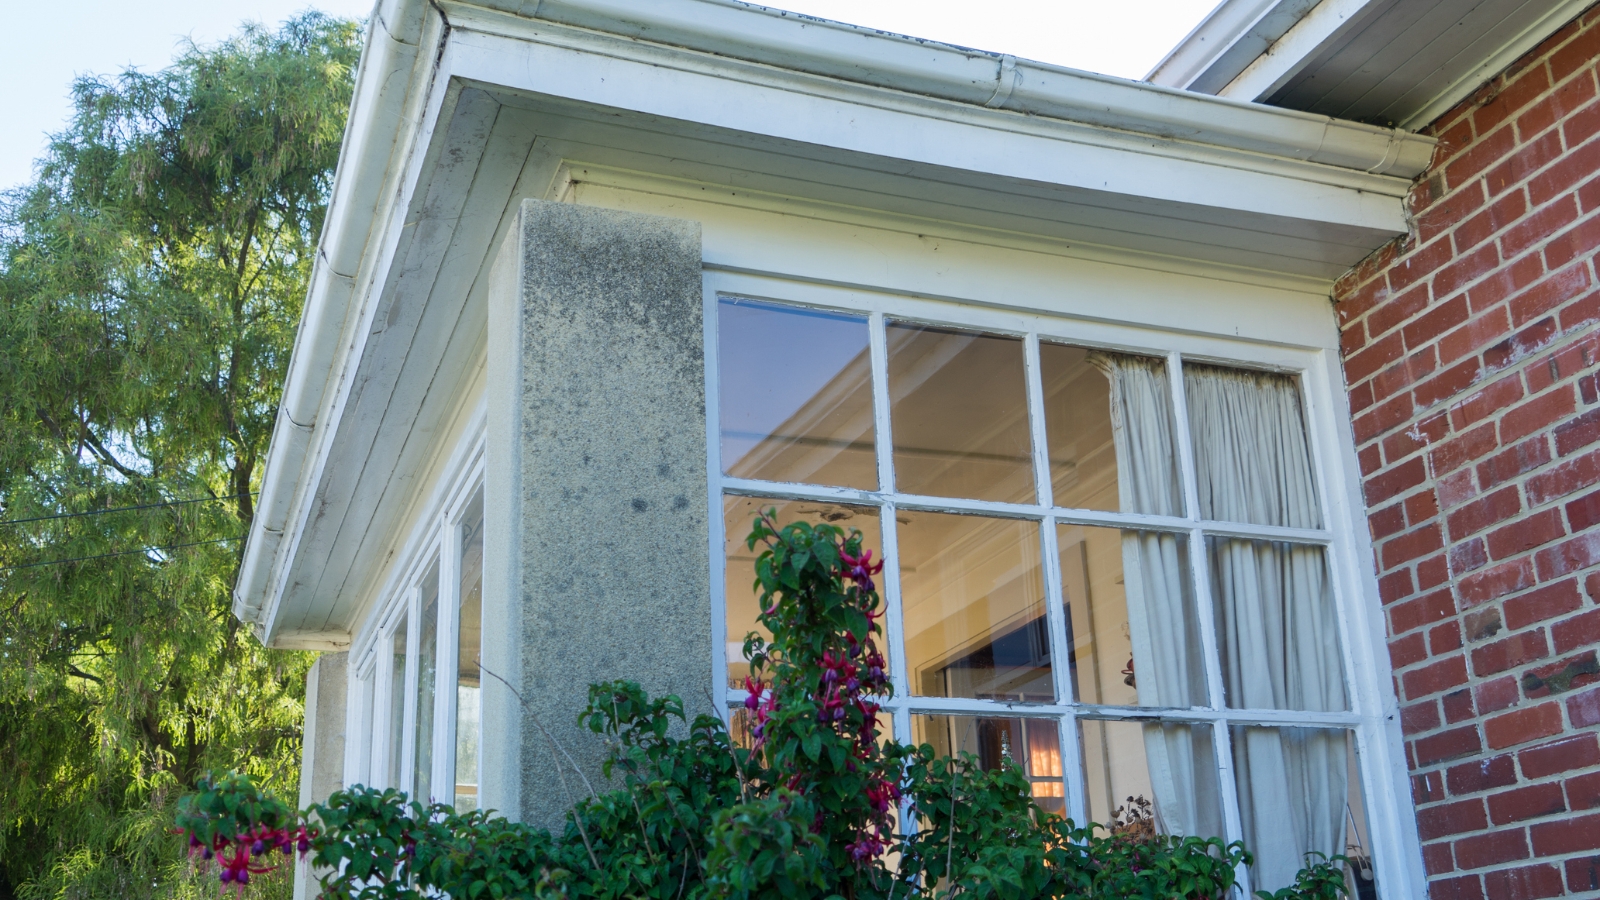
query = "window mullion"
{"x": 447, "y": 678}
{"x": 716, "y": 525}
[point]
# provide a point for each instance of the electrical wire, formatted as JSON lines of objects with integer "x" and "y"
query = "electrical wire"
{"x": 60, "y": 562}
{"x": 101, "y": 512}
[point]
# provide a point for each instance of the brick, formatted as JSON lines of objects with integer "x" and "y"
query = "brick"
{"x": 1577, "y": 241}
{"x": 1476, "y": 333}
{"x": 1568, "y": 556}
{"x": 1361, "y": 396}
{"x": 1552, "y": 109}
{"x": 1403, "y": 374}
{"x": 1526, "y": 883}
{"x": 1452, "y": 818}
{"x": 1369, "y": 459}
{"x": 1468, "y": 887}
{"x": 1458, "y": 706}
{"x": 1448, "y": 212}
{"x": 1583, "y": 874}
{"x": 1576, "y": 632}
{"x": 1485, "y": 402}
{"x": 1448, "y": 383}
{"x": 1395, "y": 482}
{"x": 1424, "y": 610}
{"x": 1493, "y": 696}
{"x": 1456, "y": 488}
{"x": 1573, "y": 672}
{"x": 1538, "y": 225}
{"x": 1526, "y": 803}
{"x": 1576, "y": 474}
{"x": 1444, "y": 638}
{"x": 1387, "y": 521}
{"x": 1397, "y": 310}
{"x": 1432, "y": 572}
{"x": 1491, "y": 849}
{"x": 1547, "y": 602}
{"x": 1394, "y": 586}
{"x": 1383, "y": 351}
{"x": 1446, "y": 282}
{"x": 1385, "y": 417}
{"x": 1481, "y": 775}
{"x": 1508, "y": 281}
{"x": 1576, "y": 166}
{"x": 1581, "y": 313}
{"x": 1521, "y": 345}
{"x": 1470, "y": 518}
{"x": 1420, "y": 263}
{"x": 1508, "y": 653}
{"x": 1427, "y": 788}
{"x": 1508, "y": 464}
{"x": 1570, "y": 835}
{"x": 1538, "y": 413}
{"x": 1437, "y": 859}
{"x": 1523, "y": 535}
{"x": 1578, "y": 433}
{"x": 1447, "y": 745}
{"x": 1584, "y": 709}
{"x": 1577, "y": 54}
{"x": 1421, "y": 507}
{"x": 1543, "y": 296}
{"x": 1408, "y": 650}
{"x": 1468, "y": 556}
{"x": 1482, "y": 624}
{"x": 1404, "y": 548}
{"x": 1495, "y": 582}
{"x": 1419, "y": 717}
{"x": 1530, "y": 157}
{"x": 1469, "y": 447}
{"x": 1501, "y": 213}
{"x": 1583, "y": 792}
{"x": 1481, "y": 156}
{"x": 1523, "y": 726}
{"x": 1584, "y": 512}
{"x": 1576, "y": 752}
{"x": 1435, "y": 678}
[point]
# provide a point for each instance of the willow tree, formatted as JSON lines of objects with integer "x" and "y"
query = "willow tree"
{"x": 151, "y": 279}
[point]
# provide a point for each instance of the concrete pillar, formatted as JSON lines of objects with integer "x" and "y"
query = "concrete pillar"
{"x": 598, "y": 536}
{"x": 322, "y": 747}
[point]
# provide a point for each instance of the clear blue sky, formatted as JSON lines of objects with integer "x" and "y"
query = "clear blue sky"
{"x": 45, "y": 44}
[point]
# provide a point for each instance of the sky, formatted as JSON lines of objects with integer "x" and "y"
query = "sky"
{"x": 44, "y": 45}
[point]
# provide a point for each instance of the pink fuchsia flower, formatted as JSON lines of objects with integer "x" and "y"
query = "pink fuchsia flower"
{"x": 860, "y": 569}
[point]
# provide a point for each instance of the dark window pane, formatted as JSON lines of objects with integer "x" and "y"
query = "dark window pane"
{"x": 1032, "y": 745}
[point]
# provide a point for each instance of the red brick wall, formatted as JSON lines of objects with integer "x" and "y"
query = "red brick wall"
{"x": 1472, "y": 352}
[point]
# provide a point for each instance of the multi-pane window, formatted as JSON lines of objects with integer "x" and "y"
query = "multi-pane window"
{"x": 413, "y": 730}
{"x": 1106, "y": 567}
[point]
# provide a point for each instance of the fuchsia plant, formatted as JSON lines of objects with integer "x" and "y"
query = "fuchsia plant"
{"x": 816, "y": 804}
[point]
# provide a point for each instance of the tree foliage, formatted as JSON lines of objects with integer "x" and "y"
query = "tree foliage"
{"x": 812, "y": 804}
{"x": 151, "y": 279}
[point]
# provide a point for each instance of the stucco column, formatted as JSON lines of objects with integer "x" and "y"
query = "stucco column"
{"x": 598, "y": 540}
{"x": 322, "y": 746}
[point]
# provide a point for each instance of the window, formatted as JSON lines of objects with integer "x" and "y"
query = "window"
{"x": 412, "y": 730}
{"x": 1108, "y": 567}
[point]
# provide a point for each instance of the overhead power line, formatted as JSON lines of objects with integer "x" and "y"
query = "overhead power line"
{"x": 60, "y": 562}
{"x": 101, "y": 512}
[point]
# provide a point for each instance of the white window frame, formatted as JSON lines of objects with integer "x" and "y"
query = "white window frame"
{"x": 435, "y": 537}
{"x": 1385, "y": 793}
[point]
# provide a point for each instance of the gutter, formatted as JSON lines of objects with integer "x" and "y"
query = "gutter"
{"x": 383, "y": 79}
{"x": 999, "y": 81}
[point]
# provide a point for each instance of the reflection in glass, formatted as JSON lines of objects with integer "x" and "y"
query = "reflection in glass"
{"x": 1298, "y": 792}
{"x": 1135, "y": 640}
{"x": 468, "y": 643}
{"x": 1077, "y": 415}
{"x": 960, "y": 412}
{"x": 742, "y": 597}
{"x": 427, "y": 677}
{"x": 1149, "y": 775}
{"x": 796, "y": 395}
{"x": 1275, "y": 625}
{"x": 397, "y": 704}
{"x": 972, "y": 592}
{"x": 1033, "y": 745}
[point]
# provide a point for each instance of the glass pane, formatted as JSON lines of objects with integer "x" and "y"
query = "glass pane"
{"x": 1299, "y": 791}
{"x": 1135, "y": 641}
{"x": 364, "y": 733}
{"x": 1275, "y": 626}
{"x": 972, "y": 592}
{"x": 1252, "y": 460}
{"x": 1105, "y": 413}
{"x": 397, "y": 704}
{"x": 427, "y": 677}
{"x": 468, "y": 644}
{"x": 960, "y": 412}
{"x": 742, "y": 598}
{"x": 1151, "y": 777}
{"x": 796, "y": 395}
{"x": 1034, "y": 745}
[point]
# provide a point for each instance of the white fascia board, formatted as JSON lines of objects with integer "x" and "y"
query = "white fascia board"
{"x": 784, "y": 105}
{"x": 801, "y": 44}
{"x": 1227, "y": 40}
{"x": 1289, "y": 54}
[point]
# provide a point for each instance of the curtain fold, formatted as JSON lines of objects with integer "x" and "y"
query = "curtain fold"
{"x": 1274, "y": 613}
{"x": 1162, "y": 621}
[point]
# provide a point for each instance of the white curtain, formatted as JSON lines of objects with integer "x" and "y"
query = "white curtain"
{"x": 1274, "y": 613}
{"x": 1162, "y": 621}
{"x": 1273, "y": 607}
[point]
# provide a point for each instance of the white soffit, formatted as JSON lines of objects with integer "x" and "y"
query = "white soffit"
{"x": 1394, "y": 62}
{"x": 462, "y": 109}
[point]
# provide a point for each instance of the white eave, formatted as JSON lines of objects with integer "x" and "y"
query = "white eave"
{"x": 1394, "y": 61}
{"x": 701, "y": 70}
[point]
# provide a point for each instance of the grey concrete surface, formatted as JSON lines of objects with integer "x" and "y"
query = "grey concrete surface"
{"x": 322, "y": 748}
